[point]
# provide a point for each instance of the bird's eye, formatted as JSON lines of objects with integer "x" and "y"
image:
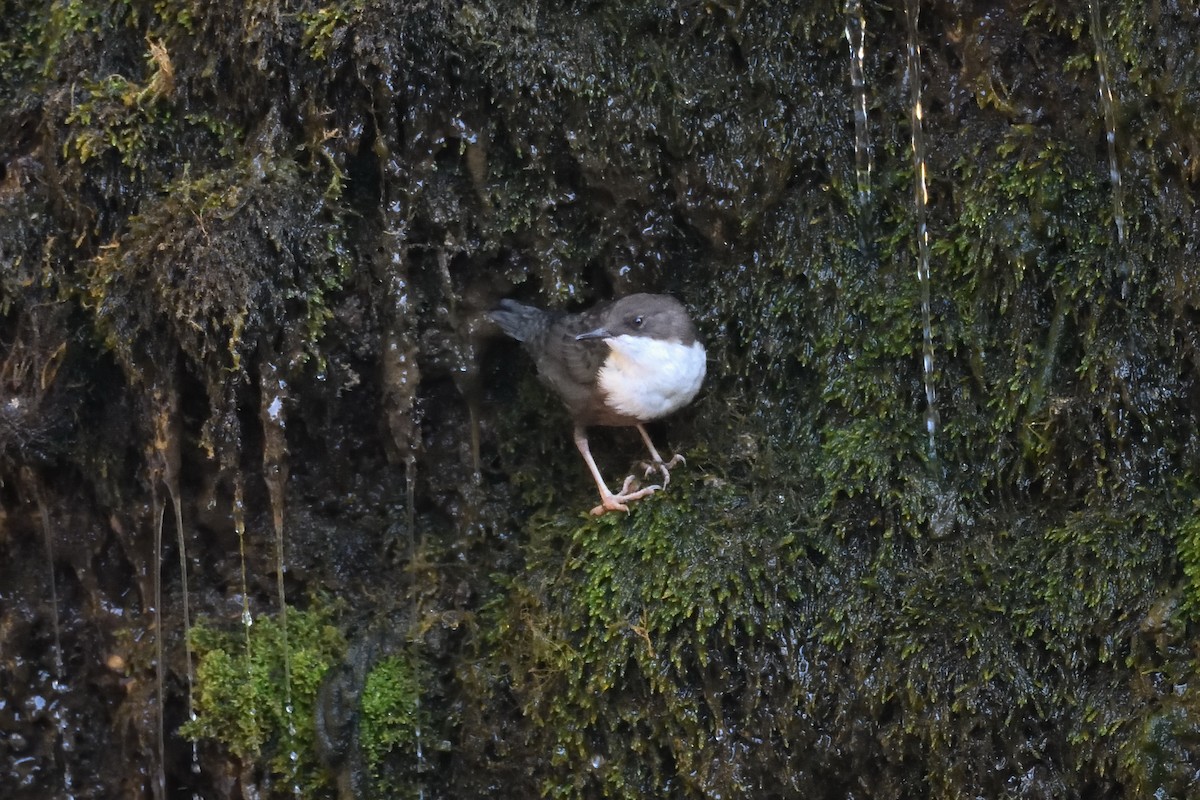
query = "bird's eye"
{"x": 637, "y": 322}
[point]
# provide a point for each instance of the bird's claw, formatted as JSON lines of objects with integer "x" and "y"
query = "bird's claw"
{"x": 663, "y": 467}
{"x": 616, "y": 502}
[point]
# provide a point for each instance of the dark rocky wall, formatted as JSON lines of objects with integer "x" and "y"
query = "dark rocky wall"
{"x": 245, "y": 251}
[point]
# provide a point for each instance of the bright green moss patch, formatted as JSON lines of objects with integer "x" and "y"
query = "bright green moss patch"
{"x": 242, "y": 696}
{"x": 391, "y": 711}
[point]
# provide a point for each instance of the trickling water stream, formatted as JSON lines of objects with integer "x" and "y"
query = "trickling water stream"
{"x": 166, "y": 466}
{"x": 401, "y": 379}
{"x": 273, "y": 391}
{"x": 1110, "y": 119}
{"x": 921, "y": 202}
{"x": 58, "y": 685}
{"x": 856, "y": 38}
{"x": 239, "y": 525}
{"x": 160, "y": 667}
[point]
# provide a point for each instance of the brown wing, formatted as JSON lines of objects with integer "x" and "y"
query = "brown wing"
{"x": 570, "y": 366}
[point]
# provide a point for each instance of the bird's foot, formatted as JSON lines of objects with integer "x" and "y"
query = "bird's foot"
{"x": 616, "y": 502}
{"x": 662, "y": 467}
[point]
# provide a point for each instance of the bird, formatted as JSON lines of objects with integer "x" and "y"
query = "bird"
{"x": 622, "y": 363}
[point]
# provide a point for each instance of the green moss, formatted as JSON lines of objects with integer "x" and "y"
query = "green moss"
{"x": 618, "y": 638}
{"x": 242, "y": 697}
{"x": 813, "y": 604}
{"x": 1160, "y": 758}
{"x": 111, "y": 114}
{"x": 325, "y": 27}
{"x": 1028, "y": 241}
{"x": 176, "y": 14}
{"x": 220, "y": 266}
{"x": 392, "y": 719}
{"x": 1188, "y": 544}
{"x": 20, "y": 54}
{"x": 67, "y": 22}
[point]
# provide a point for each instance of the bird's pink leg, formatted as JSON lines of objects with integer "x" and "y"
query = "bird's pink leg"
{"x": 608, "y": 500}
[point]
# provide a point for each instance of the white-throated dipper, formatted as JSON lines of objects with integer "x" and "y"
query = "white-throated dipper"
{"x": 623, "y": 363}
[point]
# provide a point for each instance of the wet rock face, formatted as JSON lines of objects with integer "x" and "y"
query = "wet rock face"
{"x": 936, "y": 532}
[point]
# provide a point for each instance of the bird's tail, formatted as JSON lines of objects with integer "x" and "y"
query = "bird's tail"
{"x": 519, "y": 321}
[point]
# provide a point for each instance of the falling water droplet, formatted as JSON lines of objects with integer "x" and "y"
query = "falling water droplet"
{"x": 239, "y": 524}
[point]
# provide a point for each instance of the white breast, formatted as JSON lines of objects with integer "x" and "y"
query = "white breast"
{"x": 649, "y": 378}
